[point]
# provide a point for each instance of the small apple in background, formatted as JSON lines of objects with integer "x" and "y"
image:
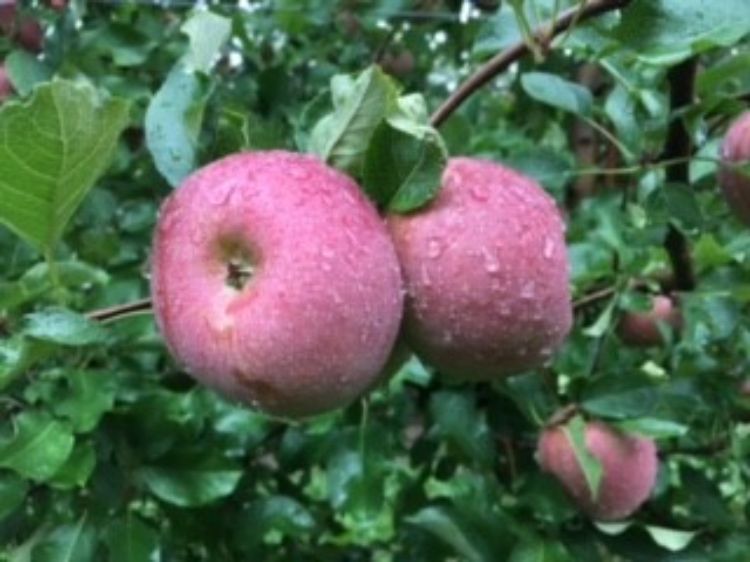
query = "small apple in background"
{"x": 399, "y": 64}
{"x": 6, "y": 88}
{"x": 24, "y": 30}
{"x": 641, "y": 329}
{"x": 486, "y": 273}
{"x": 275, "y": 282}
{"x": 735, "y": 184}
{"x": 629, "y": 468}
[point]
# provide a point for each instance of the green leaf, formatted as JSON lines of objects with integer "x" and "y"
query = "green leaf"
{"x": 39, "y": 446}
{"x": 668, "y": 31}
{"x": 77, "y": 469}
{"x": 341, "y": 138}
{"x": 208, "y": 33}
{"x": 63, "y": 327}
{"x": 25, "y": 71}
{"x": 173, "y": 123}
{"x": 88, "y": 396}
{"x": 458, "y": 420}
{"x": 131, "y": 540}
{"x": 557, "y": 92}
{"x": 654, "y": 427}
{"x": 191, "y": 479}
{"x": 683, "y": 206}
{"x": 13, "y": 490}
{"x": 620, "y": 396}
{"x": 452, "y": 530}
{"x": 603, "y": 321}
{"x": 539, "y": 550}
{"x": 67, "y": 543}
{"x": 54, "y": 148}
{"x": 575, "y": 430}
{"x": 281, "y": 514}
{"x": 671, "y": 539}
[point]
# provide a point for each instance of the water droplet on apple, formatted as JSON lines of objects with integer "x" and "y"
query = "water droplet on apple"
{"x": 549, "y": 247}
{"x": 528, "y": 290}
{"x": 480, "y": 192}
{"x": 490, "y": 261}
{"x": 434, "y": 248}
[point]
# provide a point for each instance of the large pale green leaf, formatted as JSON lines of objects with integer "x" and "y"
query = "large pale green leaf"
{"x": 173, "y": 123}
{"x": 667, "y": 31}
{"x": 53, "y": 149}
{"x": 208, "y": 33}
{"x": 360, "y": 105}
{"x": 38, "y": 447}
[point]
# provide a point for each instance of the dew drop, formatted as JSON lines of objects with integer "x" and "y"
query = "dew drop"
{"x": 480, "y": 192}
{"x": 434, "y": 248}
{"x": 549, "y": 247}
{"x": 528, "y": 290}
{"x": 490, "y": 261}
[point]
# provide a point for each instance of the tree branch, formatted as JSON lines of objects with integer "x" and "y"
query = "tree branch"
{"x": 504, "y": 59}
{"x": 142, "y": 306}
{"x": 678, "y": 147}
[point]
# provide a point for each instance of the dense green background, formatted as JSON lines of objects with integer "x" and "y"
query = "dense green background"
{"x": 109, "y": 452}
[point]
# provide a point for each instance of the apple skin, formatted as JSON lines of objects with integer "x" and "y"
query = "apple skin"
{"x": 6, "y": 88}
{"x": 629, "y": 468}
{"x": 315, "y": 323}
{"x": 25, "y": 31}
{"x": 641, "y": 329}
{"x": 734, "y": 185}
{"x": 486, "y": 273}
{"x": 399, "y": 65}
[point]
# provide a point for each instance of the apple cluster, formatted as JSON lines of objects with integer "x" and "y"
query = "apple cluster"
{"x": 277, "y": 282}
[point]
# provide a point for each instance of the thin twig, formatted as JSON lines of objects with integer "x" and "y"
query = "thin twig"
{"x": 142, "y": 306}
{"x": 504, "y": 59}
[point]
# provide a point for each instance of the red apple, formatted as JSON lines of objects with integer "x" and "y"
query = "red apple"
{"x": 398, "y": 64}
{"x": 641, "y": 329}
{"x": 735, "y": 184}
{"x": 30, "y": 35}
{"x": 275, "y": 282}
{"x": 6, "y": 88}
{"x": 486, "y": 273}
{"x": 629, "y": 468}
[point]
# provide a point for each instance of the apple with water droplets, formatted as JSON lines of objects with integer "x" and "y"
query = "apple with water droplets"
{"x": 735, "y": 184}
{"x": 641, "y": 329}
{"x": 275, "y": 282}
{"x": 486, "y": 273}
{"x": 629, "y": 467}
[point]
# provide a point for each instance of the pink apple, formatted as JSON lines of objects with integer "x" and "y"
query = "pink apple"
{"x": 6, "y": 88}
{"x": 629, "y": 468}
{"x": 735, "y": 185}
{"x": 641, "y": 329}
{"x": 486, "y": 273}
{"x": 275, "y": 282}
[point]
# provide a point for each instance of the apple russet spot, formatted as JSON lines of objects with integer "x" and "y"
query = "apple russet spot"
{"x": 641, "y": 329}
{"x": 629, "y": 468}
{"x": 486, "y": 273}
{"x": 735, "y": 185}
{"x": 275, "y": 282}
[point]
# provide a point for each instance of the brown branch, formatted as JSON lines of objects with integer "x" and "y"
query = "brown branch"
{"x": 142, "y": 306}
{"x": 504, "y": 59}
{"x": 678, "y": 146}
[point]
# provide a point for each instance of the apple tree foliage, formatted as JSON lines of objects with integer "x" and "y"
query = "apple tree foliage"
{"x": 109, "y": 452}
